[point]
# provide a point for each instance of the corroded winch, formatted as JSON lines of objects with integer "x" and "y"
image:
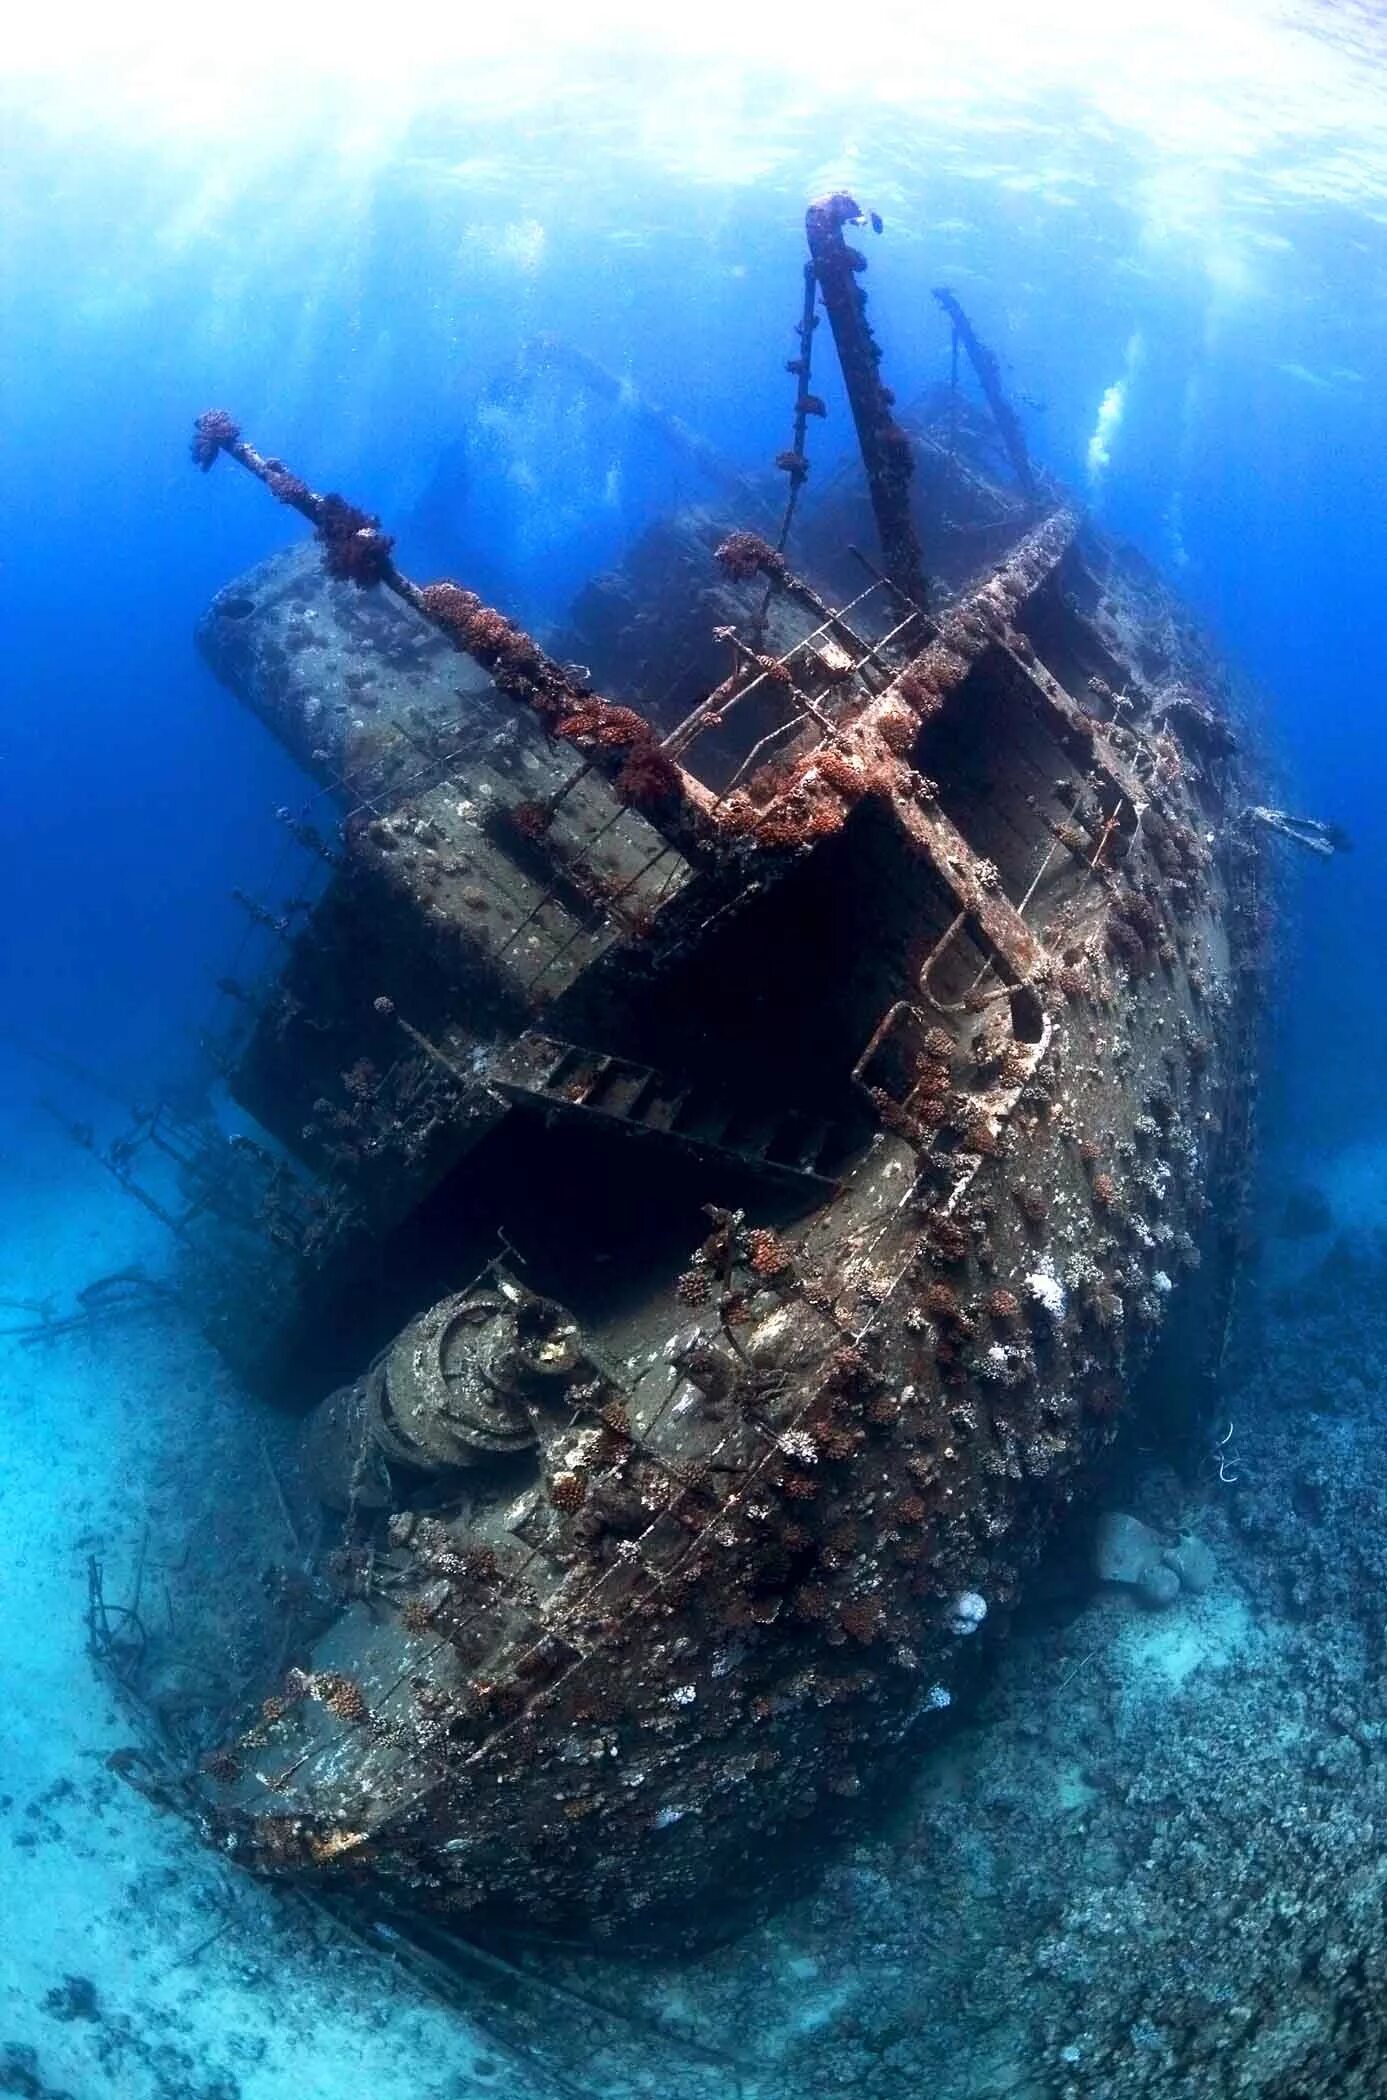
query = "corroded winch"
{"x": 467, "y": 1381}
{"x": 844, "y": 1053}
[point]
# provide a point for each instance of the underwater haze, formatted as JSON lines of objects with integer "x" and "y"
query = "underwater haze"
{"x": 1144, "y": 1859}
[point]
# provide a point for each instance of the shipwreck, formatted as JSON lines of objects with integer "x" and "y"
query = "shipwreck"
{"x": 739, "y": 1113}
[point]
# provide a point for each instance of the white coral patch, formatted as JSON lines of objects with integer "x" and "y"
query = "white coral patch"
{"x": 797, "y": 1443}
{"x": 1046, "y": 1289}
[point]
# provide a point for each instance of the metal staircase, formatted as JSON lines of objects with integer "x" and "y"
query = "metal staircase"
{"x": 787, "y": 1146}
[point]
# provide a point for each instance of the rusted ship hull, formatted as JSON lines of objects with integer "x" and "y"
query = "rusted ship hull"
{"x": 756, "y": 1156}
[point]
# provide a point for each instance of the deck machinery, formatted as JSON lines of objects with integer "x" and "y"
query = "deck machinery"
{"x": 750, "y": 1132}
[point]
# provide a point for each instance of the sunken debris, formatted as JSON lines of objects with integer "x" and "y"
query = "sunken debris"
{"x": 755, "y": 1134}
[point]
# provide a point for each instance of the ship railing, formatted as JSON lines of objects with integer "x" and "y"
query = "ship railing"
{"x": 817, "y": 678}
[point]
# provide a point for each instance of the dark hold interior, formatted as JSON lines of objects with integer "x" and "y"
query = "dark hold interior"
{"x": 776, "y": 1004}
{"x": 763, "y": 1022}
{"x": 1071, "y": 649}
{"x": 593, "y": 1216}
{"x": 978, "y": 750}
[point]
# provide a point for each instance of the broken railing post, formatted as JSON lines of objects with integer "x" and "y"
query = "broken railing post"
{"x": 884, "y": 446}
{"x": 989, "y": 373}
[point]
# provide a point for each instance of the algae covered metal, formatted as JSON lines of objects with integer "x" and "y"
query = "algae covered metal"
{"x": 756, "y": 1094}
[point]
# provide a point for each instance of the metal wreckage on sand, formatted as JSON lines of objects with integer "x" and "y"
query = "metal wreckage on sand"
{"x": 751, "y": 1135}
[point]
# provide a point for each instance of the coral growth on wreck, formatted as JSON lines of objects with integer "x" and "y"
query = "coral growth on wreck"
{"x": 355, "y": 550}
{"x": 743, "y": 555}
{"x": 214, "y": 432}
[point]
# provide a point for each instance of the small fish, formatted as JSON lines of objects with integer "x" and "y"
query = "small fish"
{"x": 874, "y": 217}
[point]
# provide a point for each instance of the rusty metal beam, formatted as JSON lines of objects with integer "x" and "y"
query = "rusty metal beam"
{"x": 884, "y": 446}
{"x": 969, "y": 630}
{"x": 995, "y": 924}
{"x": 616, "y": 741}
{"x": 989, "y": 373}
{"x": 1083, "y": 738}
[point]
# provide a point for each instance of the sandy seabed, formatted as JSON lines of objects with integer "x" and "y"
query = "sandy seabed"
{"x": 132, "y": 1961}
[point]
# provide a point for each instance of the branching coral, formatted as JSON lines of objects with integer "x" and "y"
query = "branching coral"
{"x": 918, "y": 692}
{"x": 1003, "y": 1306}
{"x": 532, "y": 819}
{"x": 979, "y": 1136}
{"x": 647, "y": 777}
{"x": 482, "y": 632}
{"x": 342, "y": 1696}
{"x": 355, "y": 550}
{"x": 861, "y": 1619}
{"x": 568, "y": 1491}
{"x": 597, "y": 725}
{"x": 767, "y": 1254}
{"x": 838, "y": 771}
{"x": 836, "y": 1441}
{"x": 743, "y": 555}
{"x": 897, "y": 726}
{"x": 932, "y": 1084}
{"x": 797, "y": 820}
{"x": 941, "y": 1301}
{"x": 286, "y": 487}
{"x": 949, "y": 1239}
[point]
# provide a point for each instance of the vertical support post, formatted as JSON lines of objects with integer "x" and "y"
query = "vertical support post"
{"x": 884, "y": 446}
{"x": 989, "y": 373}
{"x": 806, "y": 404}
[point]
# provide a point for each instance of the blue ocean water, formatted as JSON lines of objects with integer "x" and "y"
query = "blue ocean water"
{"x": 1172, "y": 225}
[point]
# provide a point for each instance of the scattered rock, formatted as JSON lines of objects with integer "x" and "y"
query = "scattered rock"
{"x": 1130, "y": 1553}
{"x": 73, "y": 1999}
{"x": 1157, "y": 1585}
{"x": 1193, "y": 1563}
{"x": 1124, "y": 1547}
